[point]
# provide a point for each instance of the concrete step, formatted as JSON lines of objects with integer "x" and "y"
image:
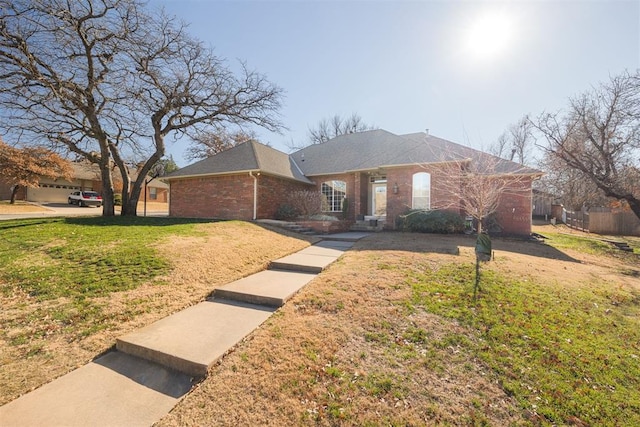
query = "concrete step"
{"x": 271, "y": 287}
{"x": 623, "y": 246}
{"x": 342, "y": 245}
{"x": 192, "y": 340}
{"x": 348, "y": 236}
{"x": 114, "y": 390}
{"x": 365, "y": 228}
{"x": 312, "y": 259}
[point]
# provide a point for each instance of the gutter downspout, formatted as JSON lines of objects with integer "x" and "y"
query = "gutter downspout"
{"x": 255, "y": 195}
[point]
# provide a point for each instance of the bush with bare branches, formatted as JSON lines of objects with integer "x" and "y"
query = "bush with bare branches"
{"x": 306, "y": 202}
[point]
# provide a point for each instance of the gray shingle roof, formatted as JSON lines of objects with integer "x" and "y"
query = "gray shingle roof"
{"x": 360, "y": 151}
{"x": 379, "y": 148}
{"x": 245, "y": 157}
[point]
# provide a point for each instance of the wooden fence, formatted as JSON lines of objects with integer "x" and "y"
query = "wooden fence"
{"x": 603, "y": 221}
{"x": 578, "y": 219}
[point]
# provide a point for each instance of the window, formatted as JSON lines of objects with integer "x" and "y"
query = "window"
{"x": 421, "y": 191}
{"x": 153, "y": 193}
{"x": 333, "y": 193}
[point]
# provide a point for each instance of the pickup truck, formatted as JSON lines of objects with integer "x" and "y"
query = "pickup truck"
{"x": 85, "y": 198}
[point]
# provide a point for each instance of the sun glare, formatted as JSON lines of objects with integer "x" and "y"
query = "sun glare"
{"x": 489, "y": 35}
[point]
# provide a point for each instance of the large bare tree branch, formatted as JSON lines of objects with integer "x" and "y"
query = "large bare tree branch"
{"x": 109, "y": 81}
{"x": 599, "y": 135}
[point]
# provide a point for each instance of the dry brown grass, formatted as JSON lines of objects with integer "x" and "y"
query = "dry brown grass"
{"x": 223, "y": 252}
{"x": 20, "y": 208}
{"x": 318, "y": 359}
{"x": 324, "y": 358}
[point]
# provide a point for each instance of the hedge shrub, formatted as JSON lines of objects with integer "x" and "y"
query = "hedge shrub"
{"x": 286, "y": 213}
{"x": 436, "y": 221}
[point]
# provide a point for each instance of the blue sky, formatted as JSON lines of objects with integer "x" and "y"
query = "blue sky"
{"x": 408, "y": 66}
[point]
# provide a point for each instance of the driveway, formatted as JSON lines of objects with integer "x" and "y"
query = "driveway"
{"x": 55, "y": 209}
{"x": 63, "y": 209}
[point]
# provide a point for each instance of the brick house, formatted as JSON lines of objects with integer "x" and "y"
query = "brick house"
{"x": 381, "y": 175}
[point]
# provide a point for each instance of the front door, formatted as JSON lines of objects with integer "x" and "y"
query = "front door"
{"x": 379, "y": 199}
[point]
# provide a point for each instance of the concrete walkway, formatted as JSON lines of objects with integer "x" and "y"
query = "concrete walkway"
{"x": 154, "y": 367}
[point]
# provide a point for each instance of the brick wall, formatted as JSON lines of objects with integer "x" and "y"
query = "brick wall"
{"x": 229, "y": 196}
{"x": 273, "y": 192}
{"x": 398, "y": 203}
{"x": 224, "y": 197}
{"x": 513, "y": 214}
{"x": 515, "y": 209}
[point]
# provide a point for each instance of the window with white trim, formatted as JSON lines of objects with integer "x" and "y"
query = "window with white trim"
{"x": 421, "y": 191}
{"x": 333, "y": 193}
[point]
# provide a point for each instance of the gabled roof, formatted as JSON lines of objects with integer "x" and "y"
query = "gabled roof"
{"x": 86, "y": 170}
{"x": 360, "y": 151}
{"x": 454, "y": 151}
{"x": 249, "y": 156}
{"x": 378, "y": 148}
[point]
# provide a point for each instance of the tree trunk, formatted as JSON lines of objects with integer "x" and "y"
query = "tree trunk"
{"x": 13, "y": 194}
{"x": 137, "y": 185}
{"x": 634, "y": 204}
{"x": 108, "y": 208}
{"x": 132, "y": 202}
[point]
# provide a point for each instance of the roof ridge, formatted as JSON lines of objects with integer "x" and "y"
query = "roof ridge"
{"x": 255, "y": 153}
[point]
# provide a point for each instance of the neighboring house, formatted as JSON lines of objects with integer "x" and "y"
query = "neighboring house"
{"x": 381, "y": 174}
{"x": 86, "y": 176}
{"x": 157, "y": 191}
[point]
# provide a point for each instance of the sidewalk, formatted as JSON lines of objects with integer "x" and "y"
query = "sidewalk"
{"x": 154, "y": 367}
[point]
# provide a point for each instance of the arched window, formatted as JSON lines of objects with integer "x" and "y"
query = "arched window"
{"x": 421, "y": 191}
{"x": 333, "y": 193}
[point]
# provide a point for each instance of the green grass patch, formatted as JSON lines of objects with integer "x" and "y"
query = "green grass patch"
{"x": 66, "y": 264}
{"x": 83, "y": 257}
{"x": 582, "y": 244}
{"x": 561, "y": 352}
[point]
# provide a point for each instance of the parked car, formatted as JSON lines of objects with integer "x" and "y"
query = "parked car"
{"x": 85, "y": 198}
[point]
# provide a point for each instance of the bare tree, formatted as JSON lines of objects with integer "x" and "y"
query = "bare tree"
{"x": 516, "y": 142}
{"x": 328, "y": 128}
{"x": 109, "y": 81}
{"x": 479, "y": 185}
{"x": 570, "y": 185}
{"x": 599, "y": 135}
{"x": 209, "y": 143}
{"x": 27, "y": 166}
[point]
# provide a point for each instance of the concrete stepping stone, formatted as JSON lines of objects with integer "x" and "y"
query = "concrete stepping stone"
{"x": 326, "y": 251}
{"x": 347, "y": 236}
{"x": 304, "y": 262}
{"x": 192, "y": 340}
{"x": 270, "y": 287}
{"x": 336, "y": 244}
{"x": 155, "y": 366}
{"x": 114, "y": 390}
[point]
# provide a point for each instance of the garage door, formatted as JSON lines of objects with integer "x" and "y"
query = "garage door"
{"x": 46, "y": 194}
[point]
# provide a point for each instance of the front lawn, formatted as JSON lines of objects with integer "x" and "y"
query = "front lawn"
{"x": 70, "y": 286}
{"x": 390, "y": 335}
{"x": 387, "y": 335}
